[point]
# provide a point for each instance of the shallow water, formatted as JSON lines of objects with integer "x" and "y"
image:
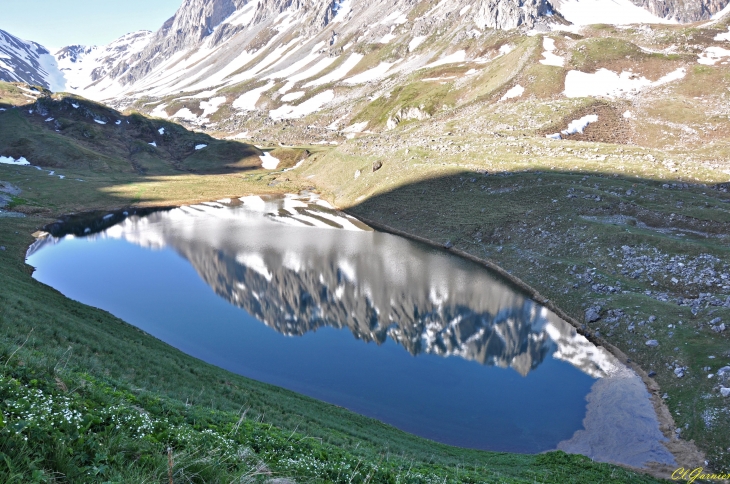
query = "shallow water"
{"x": 414, "y": 336}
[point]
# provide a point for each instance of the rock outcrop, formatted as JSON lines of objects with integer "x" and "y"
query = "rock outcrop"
{"x": 683, "y": 11}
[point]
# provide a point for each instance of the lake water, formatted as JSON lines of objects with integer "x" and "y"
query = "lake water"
{"x": 287, "y": 291}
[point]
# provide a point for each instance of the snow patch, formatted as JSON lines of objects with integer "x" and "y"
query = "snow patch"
{"x": 185, "y": 114}
{"x": 211, "y": 106}
{"x": 8, "y": 160}
{"x": 386, "y": 38}
{"x": 248, "y": 100}
{"x": 371, "y": 74}
{"x": 516, "y": 91}
{"x": 610, "y": 84}
{"x": 549, "y": 58}
{"x": 99, "y": 121}
{"x": 396, "y": 17}
{"x": 458, "y": 56}
{"x": 343, "y": 9}
{"x": 159, "y": 112}
{"x": 268, "y": 162}
{"x": 200, "y": 146}
{"x": 712, "y": 55}
{"x": 311, "y": 105}
{"x": 578, "y": 125}
{"x": 161, "y": 130}
{"x": 292, "y": 96}
{"x": 339, "y": 72}
{"x": 506, "y": 49}
{"x": 415, "y": 42}
{"x": 723, "y": 36}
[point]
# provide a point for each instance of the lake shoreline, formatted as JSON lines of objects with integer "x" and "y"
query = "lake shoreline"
{"x": 684, "y": 451}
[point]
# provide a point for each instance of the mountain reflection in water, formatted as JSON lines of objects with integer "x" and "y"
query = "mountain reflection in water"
{"x": 262, "y": 256}
{"x": 299, "y": 266}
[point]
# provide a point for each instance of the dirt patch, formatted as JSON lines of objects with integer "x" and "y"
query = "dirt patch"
{"x": 611, "y": 126}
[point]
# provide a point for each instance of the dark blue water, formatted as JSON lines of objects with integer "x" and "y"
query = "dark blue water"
{"x": 193, "y": 292}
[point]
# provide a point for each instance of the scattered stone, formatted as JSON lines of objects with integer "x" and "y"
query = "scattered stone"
{"x": 652, "y": 374}
{"x": 448, "y": 245}
{"x": 652, "y": 318}
{"x": 725, "y": 392}
{"x": 715, "y": 321}
{"x": 725, "y": 370}
{"x": 679, "y": 372}
{"x": 593, "y": 314}
{"x": 652, "y": 343}
{"x": 719, "y": 329}
{"x": 377, "y": 165}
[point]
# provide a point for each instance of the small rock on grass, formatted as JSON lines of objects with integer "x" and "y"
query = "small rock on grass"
{"x": 652, "y": 374}
{"x": 725, "y": 370}
{"x": 652, "y": 343}
{"x": 725, "y": 392}
{"x": 593, "y": 314}
{"x": 679, "y": 372}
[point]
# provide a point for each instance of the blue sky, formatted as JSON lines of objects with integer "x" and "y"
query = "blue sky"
{"x": 57, "y": 23}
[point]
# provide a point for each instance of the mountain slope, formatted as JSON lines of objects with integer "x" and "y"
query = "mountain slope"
{"x": 23, "y": 61}
{"x": 66, "y": 131}
{"x": 85, "y": 68}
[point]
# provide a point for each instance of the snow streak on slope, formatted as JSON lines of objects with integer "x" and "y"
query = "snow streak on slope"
{"x": 22, "y": 61}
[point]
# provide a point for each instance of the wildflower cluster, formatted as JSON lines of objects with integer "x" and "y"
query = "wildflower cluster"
{"x": 133, "y": 420}
{"x": 26, "y": 408}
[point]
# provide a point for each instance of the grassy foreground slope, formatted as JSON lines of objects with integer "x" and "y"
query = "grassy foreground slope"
{"x": 88, "y": 398}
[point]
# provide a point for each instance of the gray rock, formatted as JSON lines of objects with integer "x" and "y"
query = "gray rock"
{"x": 679, "y": 372}
{"x": 719, "y": 329}
{"x": 377, "y": 165}
{"x": 652, "y": 374}
{"x": 652, "y": 343}
{"x": 725, "y": 370}
{"x": 725, "y": 392}
{"x": 682, "y": 10}
{"x": 448, "y": 244}
{"x": 593, "y": 314}
{"x": 715, "y": 321}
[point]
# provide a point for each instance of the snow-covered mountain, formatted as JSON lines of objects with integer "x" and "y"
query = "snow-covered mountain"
{"x": 241, "y": 66}
{"x": 210, "y": 44}
{"x": 91, "y": 69}
{"x": 24, "y": 61}
{"x": 216, "y": 43}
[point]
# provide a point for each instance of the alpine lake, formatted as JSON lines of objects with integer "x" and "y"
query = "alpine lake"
{"x": 288, "y": 291}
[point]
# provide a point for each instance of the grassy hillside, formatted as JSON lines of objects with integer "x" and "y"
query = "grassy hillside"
{"x": 89, "y": 398}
